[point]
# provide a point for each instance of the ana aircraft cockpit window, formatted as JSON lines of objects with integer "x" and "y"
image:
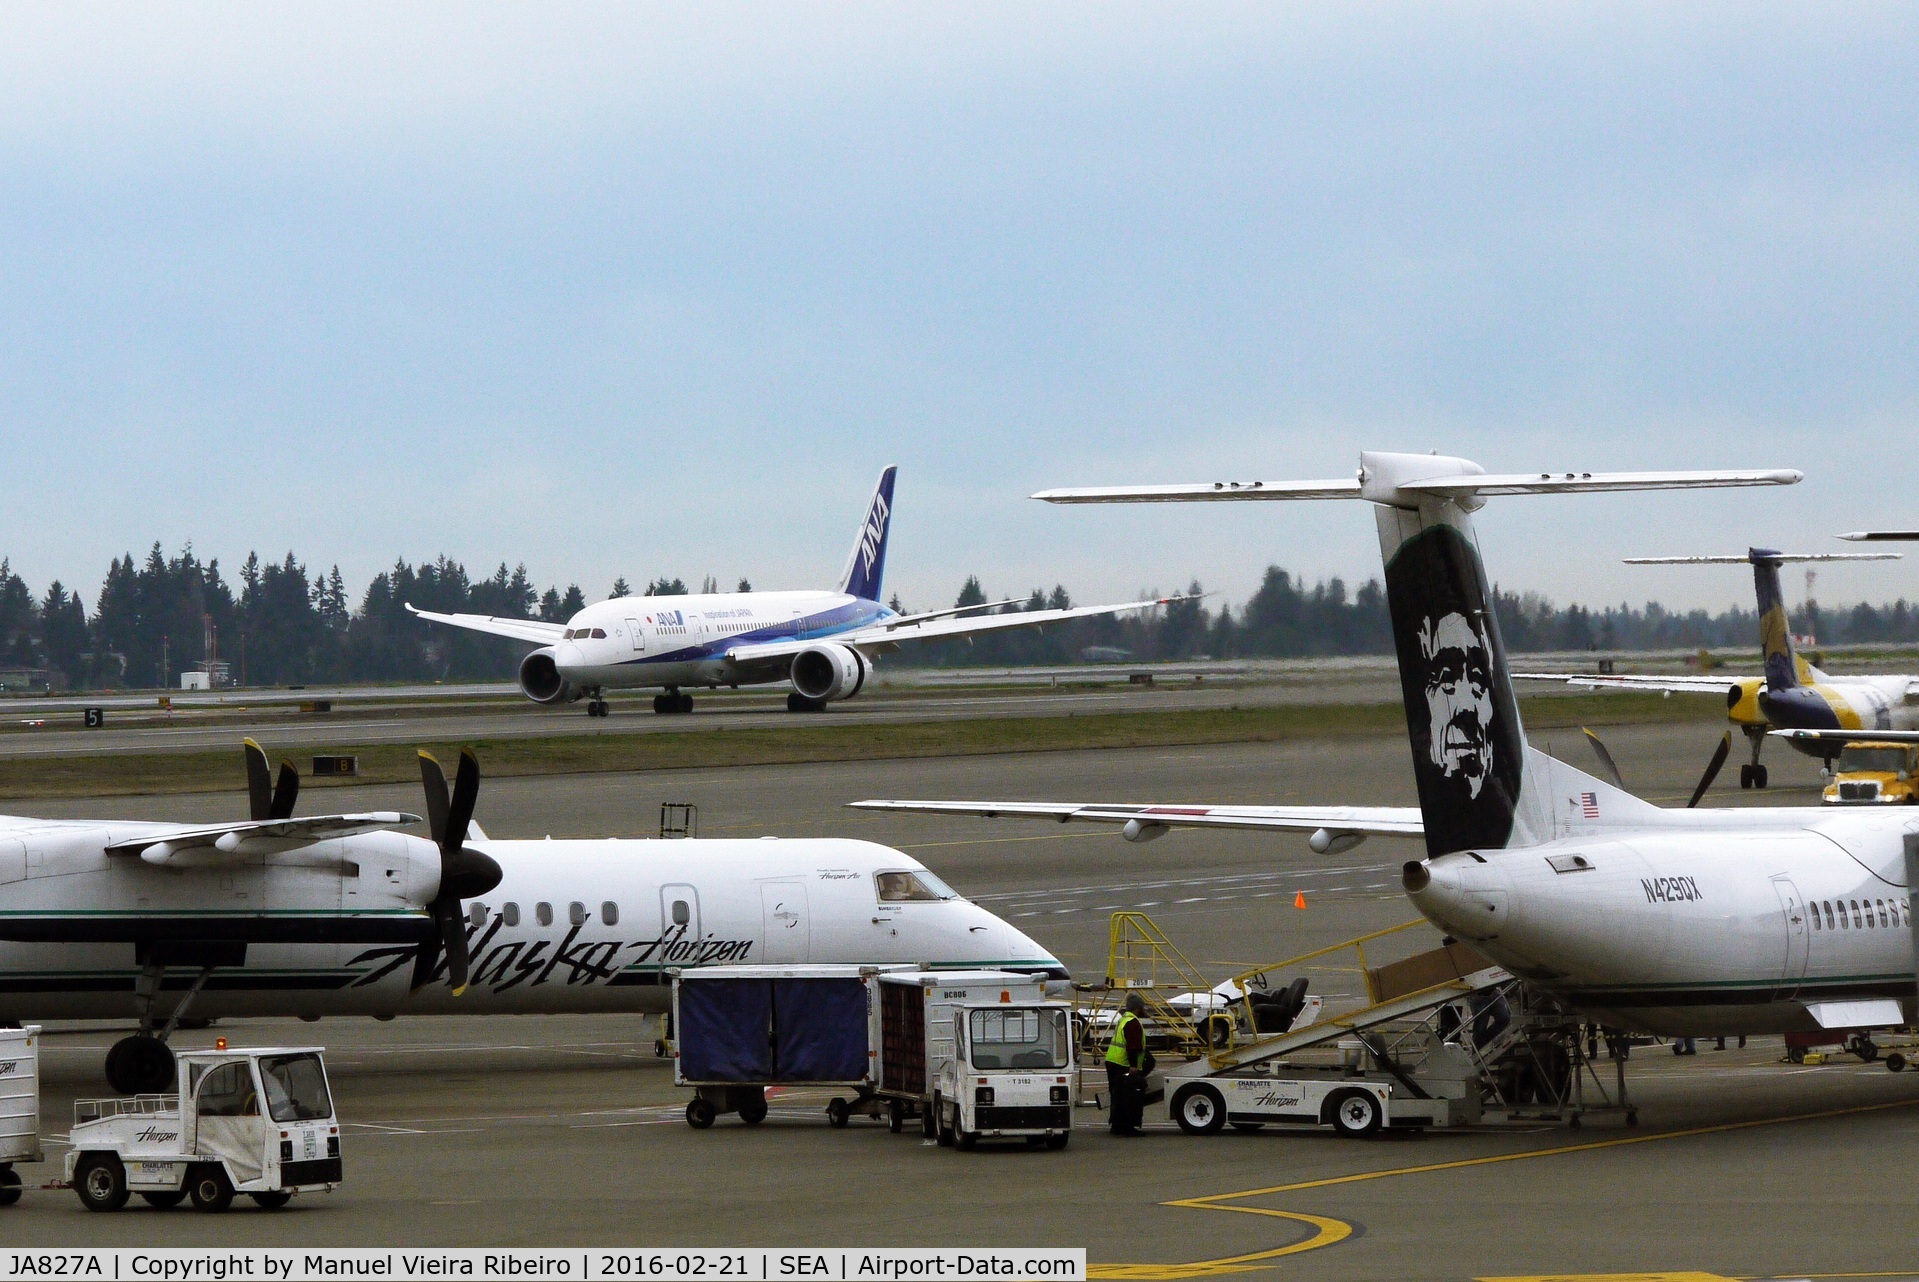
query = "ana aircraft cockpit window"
{"x": 920, "y": 887}
{"x": 599, "y": 634}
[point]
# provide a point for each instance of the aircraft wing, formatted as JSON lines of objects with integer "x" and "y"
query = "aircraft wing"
{"x": 1372, "y": 821}
{"x": 519, "y": 629}
{"x": 256, "y": 836}
{"x": 1847, "y": 736}
{"x": 1670, "y": 685}
{"x": 891, "y": 632}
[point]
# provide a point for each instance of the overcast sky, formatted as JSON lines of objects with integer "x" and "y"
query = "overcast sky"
{"x": 639, "y": 289}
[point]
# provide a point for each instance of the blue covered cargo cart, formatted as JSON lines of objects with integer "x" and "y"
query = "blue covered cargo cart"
{"x": 743, "y": 1028}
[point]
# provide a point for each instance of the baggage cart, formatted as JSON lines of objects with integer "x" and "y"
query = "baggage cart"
{"x": 1010, "y": 1075}
{"x": 740, "y": 1029}
{"x": 19, "y": 1106}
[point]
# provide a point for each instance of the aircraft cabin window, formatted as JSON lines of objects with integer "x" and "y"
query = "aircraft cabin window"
{"x": 510, "y": 914}
{"x": 576, "y": 913}
{"x": 920, "y": 887}
{"x": 1855, "y": 915}
{"x": 1827, "y": 905}
{"x": 1815, "y": 917}
{"x": 610, "y": 913}
{"x": 1880, "y": 904}
{"x": 477, "y": 915}
{"x": 681, "y": 913}
{"x": 543, "y": 913}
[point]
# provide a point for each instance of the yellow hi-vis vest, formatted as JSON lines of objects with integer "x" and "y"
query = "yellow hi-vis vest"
{"x": 1116, "y": 1053}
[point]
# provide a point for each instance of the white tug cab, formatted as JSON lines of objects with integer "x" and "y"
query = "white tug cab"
{"x": 258, "y": 1122}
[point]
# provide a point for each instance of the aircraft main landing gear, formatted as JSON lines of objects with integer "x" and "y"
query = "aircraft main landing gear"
{"x": 672, "y": 703}
{"x": 598, "y": 708}
{"x": 797, "y": 702}
{"x": 143, "y": 1063}
{"x": 1754, "y": 775}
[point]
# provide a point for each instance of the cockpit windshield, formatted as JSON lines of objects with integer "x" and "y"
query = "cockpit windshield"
{"x": 1018, "y": 1038}
{"x": 919, "y": 887}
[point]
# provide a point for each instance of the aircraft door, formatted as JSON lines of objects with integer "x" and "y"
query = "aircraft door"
{"x": 639, "y": 637}
{"x": 783, "y": 915}
{"x": 1793, "y": 909}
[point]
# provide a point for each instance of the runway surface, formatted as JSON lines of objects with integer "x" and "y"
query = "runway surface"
{"x": 533, "y": 1131}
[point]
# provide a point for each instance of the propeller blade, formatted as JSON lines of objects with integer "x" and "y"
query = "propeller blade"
{"x": 1719, "y": 756}
{"x": 453, "y": 937}
{"x": 1605, "y": 759}
{"x": 285, "y": 794}
{"x": 466, "y": 793}
{"x": 259, "y": 782}
{"x": 426, "y": 959}
{"x": 433, "y": 779}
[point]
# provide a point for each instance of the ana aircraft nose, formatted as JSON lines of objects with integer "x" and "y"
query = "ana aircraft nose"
{"x": 1462, "y": 894}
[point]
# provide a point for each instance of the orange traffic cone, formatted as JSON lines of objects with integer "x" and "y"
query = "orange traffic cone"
{"x": 1299, "y": 900}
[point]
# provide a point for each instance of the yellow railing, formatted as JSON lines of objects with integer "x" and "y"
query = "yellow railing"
{"x": 1141, "y": 959}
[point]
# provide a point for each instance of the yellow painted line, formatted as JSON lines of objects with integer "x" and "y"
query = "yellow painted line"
{"x": 1331, "y": 1231}
{"x": 1613, "y": 1277}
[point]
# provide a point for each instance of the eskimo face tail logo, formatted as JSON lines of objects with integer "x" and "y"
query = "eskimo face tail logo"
{"x": 1460, "y": 712}
{"x": 1459, "y": 698}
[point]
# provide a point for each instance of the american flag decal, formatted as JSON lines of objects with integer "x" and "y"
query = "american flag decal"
{"x": 1589, "y": 805}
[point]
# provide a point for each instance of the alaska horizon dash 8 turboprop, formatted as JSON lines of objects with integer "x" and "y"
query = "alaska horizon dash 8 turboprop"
{"x": 1681, "y": 922}
{"x": 1792, "y": 694}
{"x": 822, "y": 643}
{"x": 345, "y": 915}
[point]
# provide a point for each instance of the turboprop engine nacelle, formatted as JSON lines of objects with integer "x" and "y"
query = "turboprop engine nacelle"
{"x": 829, "y": 672}
{"x": 542, "y": 681}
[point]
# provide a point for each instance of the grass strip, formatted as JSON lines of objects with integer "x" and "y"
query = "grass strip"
{"x": 142, "y": 774}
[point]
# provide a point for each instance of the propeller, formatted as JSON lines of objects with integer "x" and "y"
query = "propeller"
{"x": 265, "y": 799}
{"x": 464, "y": 872}
{"x": 1719, "y": 756}
{"x": 1605, "y": 759}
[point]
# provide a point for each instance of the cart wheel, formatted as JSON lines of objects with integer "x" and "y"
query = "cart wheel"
{"x": 1057, "y": 1142}
{"x": 271, "y": 1201}
{"x": 101, "y": 1182}
{"x": 164, "y": 1201}
{"x": 1896, "y": 1062}
{"x": 700, "y": 1113}
{"x": 1867, "y": 1050}
{"x": 753, "y": 1107}
{"x": 1199, "y": 1110}
{"x": 1795, "y": 1055}
{"x": 210, "y": 1189}
{"x": 895, "y": 1117}
{"x": 659, "y": 1048}
{"x": 837, "y": 1113}
{"x": 943, "y": 1132}
{"x": 9, "y": 1186}
{"x": 1357, "y": 1114}
{"x": 929, "y": 1123}
{"x": 1219, "y": 1031}
{"x": 1573, "y": 1123}
{"x": 1632, "y": 1117}
{"x": 965, "y": 1141}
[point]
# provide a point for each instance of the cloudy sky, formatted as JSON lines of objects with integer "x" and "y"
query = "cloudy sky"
{"x": 637, "y": 289}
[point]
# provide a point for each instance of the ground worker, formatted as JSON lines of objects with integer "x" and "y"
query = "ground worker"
{"x": 1126, "y": 1068}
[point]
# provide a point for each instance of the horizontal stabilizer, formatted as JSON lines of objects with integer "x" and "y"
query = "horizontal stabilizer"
{"x": 1750, "y": 558}
{"x": 1847, "y": 736}
{"x": 1882, "y": 536}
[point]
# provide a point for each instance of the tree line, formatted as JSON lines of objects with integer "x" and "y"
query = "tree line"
{"x": 283, "y": 624}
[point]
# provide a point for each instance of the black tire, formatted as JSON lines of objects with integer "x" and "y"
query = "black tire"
{"x": 101, "y": 1182}
{"x": 700, "y": 1113}
{"x": 209, "y": 1189}
{"x": 942, "y": 1132}
{"x": 753, "y": 1107}
{"x": 685, "y": 702}
{"x": 1357, "y": 1114}
{"x": 1745, "y": 776}
{"x": 1758, "y": 776}
{"x": 930, "y": 1124}
{"x": 9, "y": 1186}
{"x": 837, "y": 1113}
{"x": 964, "y": 1141}
{"x": 1867, "y": 1050}
{"x": 1219, "y": 1031}
{"x": 1895, "y": 1063}
{"x": 140, "y": 1066}
{"x": 895, "y": 1117}
{"x": 164, "y": 1201}
{"x": 271, "y": 1201}
{"x": 1055, "y": 1143}
{"x": 659, "y": 705}
{"x": 1199, "y": 1110}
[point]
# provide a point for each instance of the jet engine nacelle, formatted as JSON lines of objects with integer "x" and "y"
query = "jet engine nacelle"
{"x": 829, "y": 672}
{"x": 542, "y": 681}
